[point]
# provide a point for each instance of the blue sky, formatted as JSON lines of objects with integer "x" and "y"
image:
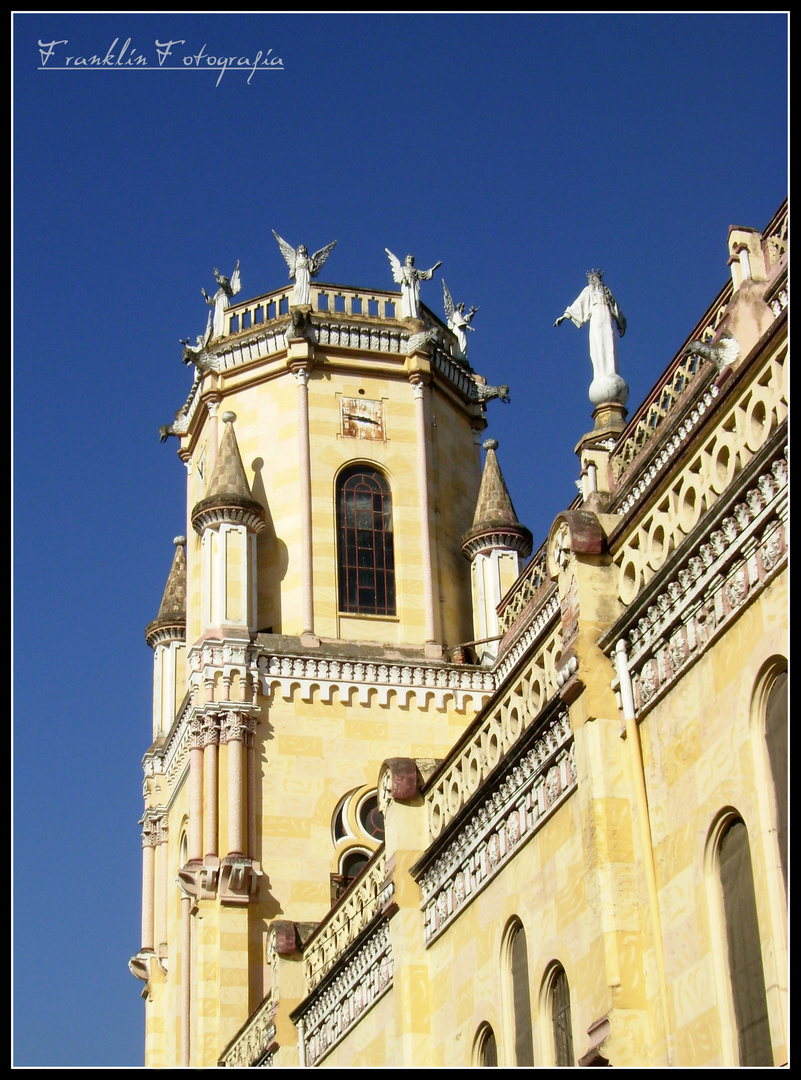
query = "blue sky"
{"x": 520, "y": 150}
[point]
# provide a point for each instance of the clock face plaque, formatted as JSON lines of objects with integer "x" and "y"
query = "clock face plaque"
{"x": 362, "y": 419}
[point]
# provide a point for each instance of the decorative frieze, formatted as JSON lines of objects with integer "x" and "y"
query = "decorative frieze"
{"x": 536, "y": 781}
{"x": 362, "y": 981}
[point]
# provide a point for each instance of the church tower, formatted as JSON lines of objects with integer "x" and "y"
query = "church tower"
{"x": 311, "y": 630}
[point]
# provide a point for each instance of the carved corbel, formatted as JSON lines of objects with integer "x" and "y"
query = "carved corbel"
{"x": 239, "y": 879}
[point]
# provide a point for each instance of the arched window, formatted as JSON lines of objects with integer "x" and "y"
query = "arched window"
{"x": 559, "y": 993}
{"x": 776, "y": 739}
{"x": 521, "y": 998}
{"x": 746, "y": 975}
{"x": 365, "y": 550}
{"x": 486, "y": 1049}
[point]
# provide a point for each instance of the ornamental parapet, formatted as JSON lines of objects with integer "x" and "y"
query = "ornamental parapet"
{"x": 698, "y": 465}
{"x": 498, "y": 728}
{"x": 529, "y": 586}
{"x": 501, "y": 815}
{"x": 368, "y": 896}
{"x": 351, "y": 989}
{"x": 739, "y": 548}
{"x": 373, "y": 682}
{"x": 254, "y": 1044}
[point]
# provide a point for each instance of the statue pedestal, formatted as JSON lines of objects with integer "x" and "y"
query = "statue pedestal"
{"x": 610, "y": 421}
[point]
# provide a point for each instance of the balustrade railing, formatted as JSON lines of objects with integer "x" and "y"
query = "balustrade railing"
{"x": 325, "y": 300}
{"x": 533, "y": 579}
{"x": 346, "y": 920}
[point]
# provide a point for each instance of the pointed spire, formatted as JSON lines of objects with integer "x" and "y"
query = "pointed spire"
{"x": 495, "y": 522}
{"x": 170, "y": 623}
{"x": 229, "y": 497}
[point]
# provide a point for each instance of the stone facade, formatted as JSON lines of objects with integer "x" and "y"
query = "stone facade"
{"x": 394, "y": 851}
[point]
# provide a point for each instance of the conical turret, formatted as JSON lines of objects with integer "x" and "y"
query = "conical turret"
{"x": 227, "y": 520}
{"x": 229, "y": 497}
{"x": 170, "y": 623}
{"x": 495, "y": 523}
{"x": 496, "y": 544}
{"x": 166, "y": 635}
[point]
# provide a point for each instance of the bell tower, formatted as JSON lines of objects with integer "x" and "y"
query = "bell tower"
{"x": 330, "y": 445}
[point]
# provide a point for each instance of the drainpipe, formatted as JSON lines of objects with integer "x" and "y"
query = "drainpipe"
{"x": 643, "y": 816}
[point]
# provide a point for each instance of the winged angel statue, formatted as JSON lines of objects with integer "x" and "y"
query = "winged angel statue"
{"x": 409, "y": 278}
{"x": 303, "y": 267}
{"x": 458, "y": 320}
{"x": 228, "y": 288}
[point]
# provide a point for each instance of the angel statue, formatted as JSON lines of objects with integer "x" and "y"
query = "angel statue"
{"x": 303, "y": 267}
{"x": 409, "y": 278}
{"x": 596, "y": 305}
{"x": 192, "y": 352}
{"x": 228, "y": 288}
{"x": 458, "y": 320}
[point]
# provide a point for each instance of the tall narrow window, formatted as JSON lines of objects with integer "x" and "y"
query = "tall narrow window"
{"x": 365, "y": 550}
{"x": 486, "y": 1047}
{"x": 518, "y": 956}
{"x": 560, "y": 1017}
{"x": 744, "y": 949}
{"x": 776, "y": 739}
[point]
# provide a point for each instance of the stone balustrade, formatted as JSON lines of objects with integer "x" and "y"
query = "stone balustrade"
{"x": 355, "y": 909}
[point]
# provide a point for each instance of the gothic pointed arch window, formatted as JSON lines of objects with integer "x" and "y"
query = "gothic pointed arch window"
{"x": 558, "y": 997}
{"x": 365, "y": 542}
{"x": 745, "y": 989}
{"x": 485, "y": 1049}
{"x": 518, "y": 996}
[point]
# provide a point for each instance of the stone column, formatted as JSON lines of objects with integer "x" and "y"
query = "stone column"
{"x": 148, "y": 883}
{"x": 162, "y": 897}
{"x": 211, "y": 737}
{"x": 432, "y": 649}
{"x": 195, "y": 852}
{"x": 235, "y": 731}
{"x": 251, "y": 780}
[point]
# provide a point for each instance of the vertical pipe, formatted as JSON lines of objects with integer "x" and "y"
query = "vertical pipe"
{"x": 646, "y": 840}
{"x": 186, "y": 971}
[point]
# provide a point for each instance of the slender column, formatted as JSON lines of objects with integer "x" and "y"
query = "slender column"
{"x": 425, "y": 526}
{"x": 235, "y": 734}
{"x": 251, "y": 788}
{"x": 304, "y": 449}
{"x": 195, "y": 852}
{"x": 641, "y": 801}
{"x": 211, "y": 735}
{"x": 186, "y": 971}
{"x": 162, "y": 899}
{"x": 148, "y": 883}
